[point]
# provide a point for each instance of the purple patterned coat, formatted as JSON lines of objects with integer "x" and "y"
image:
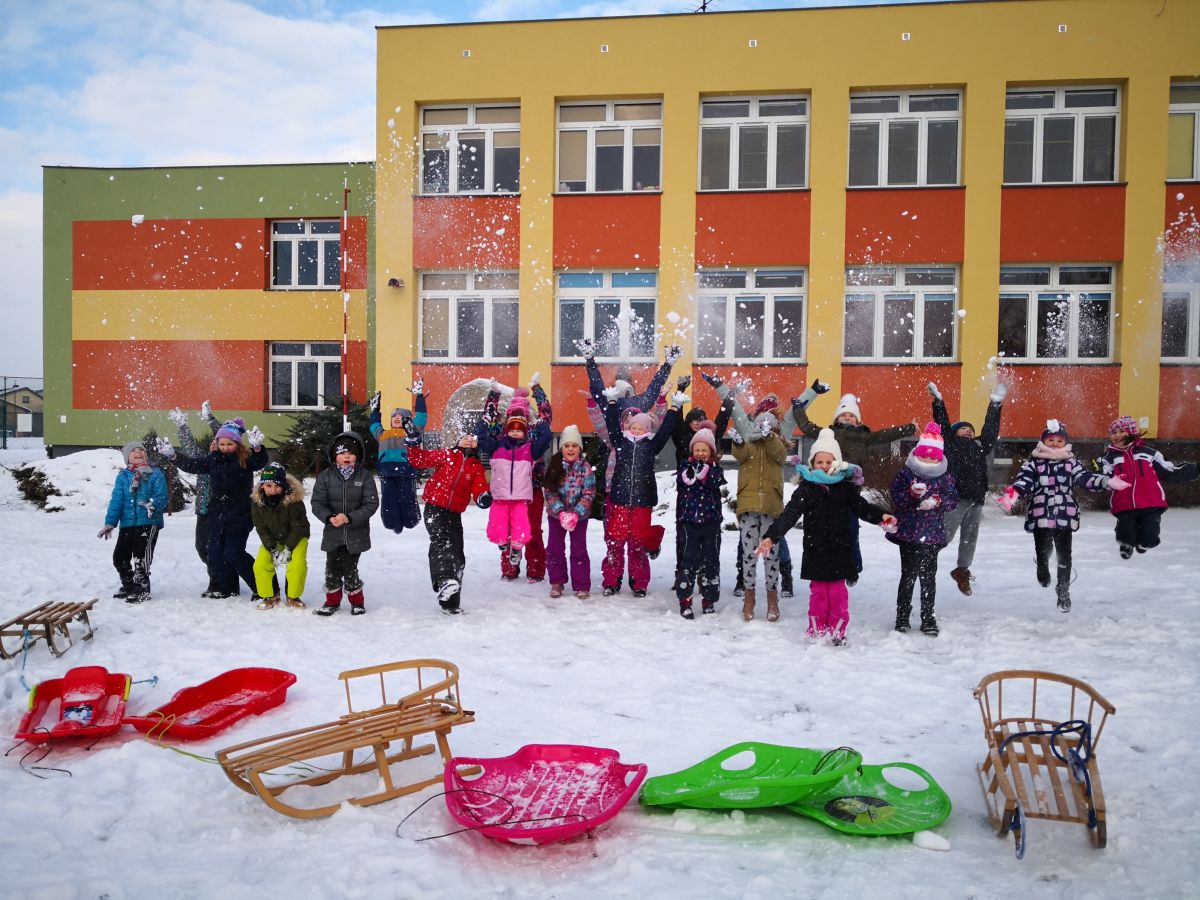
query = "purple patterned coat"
{"x": 1050, "y": 481}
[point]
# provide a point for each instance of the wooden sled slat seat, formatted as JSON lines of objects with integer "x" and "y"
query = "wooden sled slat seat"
{"x": 1026, "y": 715}
{"x": 46, "y": 621}
{"x": 432, "y": 707}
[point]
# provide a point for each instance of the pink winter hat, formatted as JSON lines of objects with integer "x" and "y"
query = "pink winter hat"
{"x": 518, "y": 410}
{"x": 930, "y": 444}
{"x": 641, "y": 418}
{"x": 703, "y": 436}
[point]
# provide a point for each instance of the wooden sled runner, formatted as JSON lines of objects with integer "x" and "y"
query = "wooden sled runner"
{"x": 46, "y": 621}
{"x": 432, "y": 708}
{"x": 1042, "y": 731}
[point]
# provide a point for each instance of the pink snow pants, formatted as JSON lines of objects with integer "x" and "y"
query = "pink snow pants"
{"x": 508, "y": 521}
{"x": 626, "y": 527}
{"x": 828, "y": 608}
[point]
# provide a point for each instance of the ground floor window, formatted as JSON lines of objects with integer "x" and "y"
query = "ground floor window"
{"x": 305, "y": 375}
{"x": 1061, "y": 313}
{"x": 900, "y": 313}
{"x": 754, "y": 314}
{"x": 469, "y": 316}
{"x": 615, "y": 310}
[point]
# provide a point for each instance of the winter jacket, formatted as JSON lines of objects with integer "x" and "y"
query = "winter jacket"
{"x": 457, "y": 479}
{"x": 699, "y": 498}
{"x": 1141, "y": 465}
{"x": 683, "y": 434}
{"x": 512, "y": 461}
{"x": 642, "y": 401}
{"x": 633, "y": 483}
{"x": 916, "y": 525}
{"x": 760, "y": 475}
{"x": 189, "y": 445}
{"x": 577, "y": 491}
{"x": 356, "y": 497}
{"x": 745, "y": 425}
{"x": 828, "y": 536}
{"x": 392, "y": 461}
{"x": 229, "y": 483}
{"x": 858, "y": 442}
{"x": 1050, "y": 477}
{"x": 128, "y": 507}
{"x": 967, "y": 457}
{"x": 284, "y": 523}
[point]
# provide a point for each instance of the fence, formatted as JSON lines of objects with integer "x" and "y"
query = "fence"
{"x": 24, "y": 402}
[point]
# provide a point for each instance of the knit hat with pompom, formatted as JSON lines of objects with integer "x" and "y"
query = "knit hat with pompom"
{"x": 930, "y": 445}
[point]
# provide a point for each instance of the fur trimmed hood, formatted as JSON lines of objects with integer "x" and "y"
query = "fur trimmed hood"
{"x": 293, "y": 494}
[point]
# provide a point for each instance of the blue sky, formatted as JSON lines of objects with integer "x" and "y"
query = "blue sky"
{"x": 164, "y": 82}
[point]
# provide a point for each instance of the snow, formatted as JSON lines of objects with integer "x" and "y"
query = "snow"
{"x": 137, "y": 219}
{"x": 135, "y": 819}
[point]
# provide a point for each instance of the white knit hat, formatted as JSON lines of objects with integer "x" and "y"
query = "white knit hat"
{"x": 571, "y": 435}
{"x": 848, "y": 404}
{"x": 827, "y": 443}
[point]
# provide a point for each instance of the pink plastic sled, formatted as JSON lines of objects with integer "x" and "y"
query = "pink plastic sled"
{"x": 199, "y": 712}
{"x": 86, "y": 702}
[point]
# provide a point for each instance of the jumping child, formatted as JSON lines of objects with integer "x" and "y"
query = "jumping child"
{"x": 139, "y": 497}
{"x": 189, "y": 445}
{"x": 399, "y": 509}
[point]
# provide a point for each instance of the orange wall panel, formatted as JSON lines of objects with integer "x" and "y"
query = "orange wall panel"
{"x": 466, "y": 232}
{"x": 597, "y": 231}
{"x": 1182, "y": 228}
{"x": 1062, "y": 224}
{"x": 753, "y": 229}
{"x": 1178, "y": 402}
{"x": 893, "y": 394}
{"x": 922, "y": 225}
{"x": 443, "y": 379}
{"x": 1084, "y": 398}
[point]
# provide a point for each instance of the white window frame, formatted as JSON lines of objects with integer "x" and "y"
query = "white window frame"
{"x": 322, "y": 361}
{"x": 327, "y": 242}
{"x": 1061, "y": 111}
{"x": 605, "y": 291}
{"x": 609, "y": 123}
{"x": 734, "y": 125}
{"x": 872, "y": 283}
{"x": 1185, "y": 280}
{"x": 474, "y": 290}
{"x": 1074, "y": 294}
{"x": 732, "y": 295}
{"x": 1193, "y": 110}
{"x": 451, "y": 133}
{"x": 923, "y": 120}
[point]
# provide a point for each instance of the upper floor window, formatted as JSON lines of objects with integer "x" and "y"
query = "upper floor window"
{"x": 25, "y": 398}
{"x": 755, "y": 314}
{"x": 1061, "y": 313}
{"x": 306, "y": 254}
{"x": 610, "y": 146}
{"x": 469, "y": 315}
{"x": 904, "y": 139}
{"x": 305, "y": 375}
{"x": 1183, "y": 133}
{"x": 900, "y": 313}
{"x": 1061, "y": 135}
{"x": 1181, "y": 313}
{"x": 753, "y": 143}
{"x": 470, "y": 149}
{"x": 616, "y": 310}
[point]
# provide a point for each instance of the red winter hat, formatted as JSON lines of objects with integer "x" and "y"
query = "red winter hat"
{"x": 769, "y": 403}
{"x": 930, "y": 444}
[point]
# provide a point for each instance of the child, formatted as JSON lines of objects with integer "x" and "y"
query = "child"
{"x": 399, "y": 508}
{"x": 826, "y": 497}
{"x": 699, "y": 481}
{"x": 1050, "y": 477}
{"x": 633, "y": 493}
{"x": 1139, "y": 507}
{"x": 230, "y": 469}
{"x": 458, "y": 478}
{"x": 512, "y": 458}
{"x": 569, "y": 487}
{"x": 277, "y": 509}
{"x": 189, "y": 445}
{"x": 622, "y": 390}
{"x": 139, "y": 497}
{"x": 344, "y": 498}
{"x": 922, "y": 493}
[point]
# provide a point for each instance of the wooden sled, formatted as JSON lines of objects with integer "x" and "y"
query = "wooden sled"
{"x": 433, "y": 708}
{"x": 1042, "y": 731}
{"x": 46, "y": 621}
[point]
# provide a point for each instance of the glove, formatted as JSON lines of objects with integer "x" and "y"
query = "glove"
{"x": 684, "y": 382}
{"x": 999, "y": 392}
{"x": 673, "y": 353}
{"x": 1117, "y": 483}
{"x": 535, "y": 380}
{"x": 418, "y": 387}
{"x": 492, "y": 386}
{"x": 738, "y": 388}
{"x": 106, "y": 532}
{"x": 586, "y": 348}
{"x": 856, "y": 475}
{"x": 918, "y": 488}
{"x": 281, "y": 556}
{"x": 933, "y": 391}
{"x": 1007, "y": 499}
{"x": 678, "y": 399}
{"x": 930, "y": 503}
{"x": 765, "y": 429}
{"x": 162, "y": 446}
{"x": 484, "y": 500}
{"x": 375, "y": 398}
{"x": 889, "y": 523}
{"x": 711, "y": 379}
{"x": 568, "y": 520}
{"x": 611, "y": 394}
{"x": 820, "y": 387}
{"x": 411, "y": 431}
{"x": 736, "y": 437}
{"x": 178, "y": 416}
{"x": 205, "y": 410}
{"x": 149, "y": 506}
{"x": 256, "y": 438}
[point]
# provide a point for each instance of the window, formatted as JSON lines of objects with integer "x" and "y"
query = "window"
{"x": 614, "y": 309}
{"x": 25, "y": 398}
{"x": 900, "y": 313}
{"x": 750, "y": 315}
{"x": 1181, "y": 313}
{"x": 470, "y": 149}
{"x": 469, "y": 315}
{"x": 1183, "y": 133}
{"x": 1061, "y": 135}
{"x": 753, "y": 143}
{"x": 612, "y": 146}
{"x": 904, "y": 139}
{"x": 306, "y": 254}
{"x": 1056, "y": 313}
{"x": 305, "y": 376}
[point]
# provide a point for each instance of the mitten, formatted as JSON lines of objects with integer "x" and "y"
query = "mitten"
{"x": 205, "y": 410}
{"x": 611, "y": 394}
{"x": 678, "y": 399}
{"x": 736, "y": 437}
{"x": 684, "y": 382}
{"x": 178, "y": 416}
{"x": 106, "y": 532}
{"x": 411, "y": 432}
{"x": 820, "y": 386}
{"x": 586, "y": 348}
{"x": 999, "y": 392}
{"x": 764, "y": 428}
{"x": 933, "y": 391}
{"x": 1007, "y": 499}
{"x": 568, "y": 520}
{"x": 889, "y": 523}
{"x": 418, "y": 387}
{"x": 374, "y": 402}
{"x": 918, "y": 489}
{"x": 1117, "y": 483}
{"x": 162, "y": 446}
{"x": 673, "y": 353}
{"x": 702, "y": 472}
{"x": 256, "y": 438}
{"x": 484, "y": 500}
{"x": 535, "y": 380}
{"x": 930, "y": 503}
{"x": 149, "y": 506}
{"x": 712, "y": 379}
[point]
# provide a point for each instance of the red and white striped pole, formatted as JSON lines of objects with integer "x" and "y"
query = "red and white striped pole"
{"x": 345, "y": 229}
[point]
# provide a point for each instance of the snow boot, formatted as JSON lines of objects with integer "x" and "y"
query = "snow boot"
{"x": 126, "y": 590}
{"x": 929, "y": 626}
{"x": 447, "y": 592}
{"x": 357, "y": 606}
{"x": 748, "y": 605}
{"x": 583, "y": 595}
{"x": 772, "y": 606}
{"x": 1063, "y": 589}
{"x": 639, "y": 593}
{"x": 903, "y": 611}
{"x": 739, "y": 589}
{"x": 609, "y": 590}
{"x": 852, "y": 580}
{"x": 1140, "y": 549}
{"x": 685, "y": 608}
{"x": 265, "y": 602}
{"x": 962, "y": 577}
{"x": 1043, "y": 573}
{"x": 556, "y": 590}
{"x": 514, "y": 555}
{"x": 333, "y": 602}
{"x": 1126, "y": 551}
{"x": 708, "y": 607}
{"x": 296, "y": 603}
{"x": 140, "y": 596}
{"x": 786, "y": 585}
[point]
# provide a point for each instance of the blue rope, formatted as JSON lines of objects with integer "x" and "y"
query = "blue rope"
{"x": 1076, "y": 758}
{"x": 29, "y": 640}
{"x": 152, "y": 681}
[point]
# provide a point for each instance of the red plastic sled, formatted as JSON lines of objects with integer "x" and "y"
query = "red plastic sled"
{"x": 88, "y": 701}
{"x": 542, "y": 793}
{"x": 199, "y": 712}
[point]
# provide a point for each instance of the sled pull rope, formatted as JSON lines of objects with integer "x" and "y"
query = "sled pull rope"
{"x": 28, "y": 639}
{"x": 1076, "y": 758}
{"x": 505, "y": 821}
{"x": 34, "y": 769}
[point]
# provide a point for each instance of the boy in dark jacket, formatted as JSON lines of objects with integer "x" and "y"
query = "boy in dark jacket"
{"x": 967, "y": 456}
{"x": 698, "y": 517}
{"x": 277, "y": 509}
{"x": 139, "y": 497}
{"x": 344, "y": 498}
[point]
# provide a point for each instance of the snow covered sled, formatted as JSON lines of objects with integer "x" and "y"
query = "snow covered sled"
{"x": 88, "y": 701}
{"x": 1042, "y": 730}
{"x": 199, "y": 712}
{"x": 432, "y": 708}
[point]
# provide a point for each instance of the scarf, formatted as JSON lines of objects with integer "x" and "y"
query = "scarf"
{"x": 816, "y": 476}
{"x": 137, "y": 472}
{"x": 924, "y": 469}
{"x": 270, "y": 502}
{"x": 347, "y": 472}
{"x": 1041, "y": 451}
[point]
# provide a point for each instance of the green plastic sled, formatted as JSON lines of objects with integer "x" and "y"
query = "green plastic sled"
{"x": 864, "y": 802}
{"x": 777, "y": 776}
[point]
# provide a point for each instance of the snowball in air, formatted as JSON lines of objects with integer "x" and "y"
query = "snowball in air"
{"x": 137, "y": 219}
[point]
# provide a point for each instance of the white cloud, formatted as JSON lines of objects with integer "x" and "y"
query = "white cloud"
{"x": 21, "y": 301}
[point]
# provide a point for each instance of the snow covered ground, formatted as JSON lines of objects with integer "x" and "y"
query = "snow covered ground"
{"x": 136, "y": 820}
